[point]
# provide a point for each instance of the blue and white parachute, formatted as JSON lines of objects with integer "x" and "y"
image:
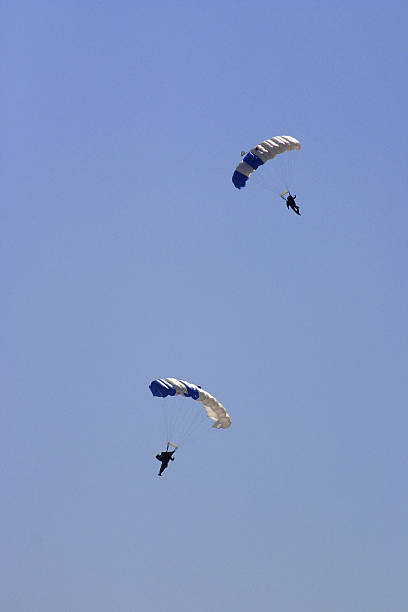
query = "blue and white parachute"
{"x": 260, "y": 154}
{"x": 163, "y": 387}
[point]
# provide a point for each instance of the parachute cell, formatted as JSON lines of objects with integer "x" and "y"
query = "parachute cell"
{"x": 260, "y": 154}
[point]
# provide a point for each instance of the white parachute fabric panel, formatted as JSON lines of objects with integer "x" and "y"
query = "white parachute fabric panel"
{"x": 215, "y": 410}
{"x": 245, "y": 169}
{"x": 268, "y": 149}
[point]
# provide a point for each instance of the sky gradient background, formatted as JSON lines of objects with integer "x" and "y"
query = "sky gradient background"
{"x": 127, "y": 254}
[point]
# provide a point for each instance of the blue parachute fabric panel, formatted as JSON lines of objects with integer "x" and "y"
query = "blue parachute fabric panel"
{"x": 161, "y": 388}
{"x": 252, "y": 160}
{"x": 239, "y": 179}
{"x": 192, "y": 390}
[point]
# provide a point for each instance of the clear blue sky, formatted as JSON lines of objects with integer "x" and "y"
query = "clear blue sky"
{"x": 127, "y": 254}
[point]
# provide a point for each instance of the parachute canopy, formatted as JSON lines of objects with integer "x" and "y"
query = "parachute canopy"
{"x": 163, "y": 387}
{"x": 260, "y": 154}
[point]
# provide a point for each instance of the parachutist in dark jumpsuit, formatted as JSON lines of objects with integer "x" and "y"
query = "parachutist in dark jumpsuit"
{"x": 290, "y": 203}
{"x": 164, "y": 457}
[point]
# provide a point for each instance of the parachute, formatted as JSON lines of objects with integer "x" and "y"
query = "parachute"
{"x": 186, "y": 419}
{"x": 260, "y": 154}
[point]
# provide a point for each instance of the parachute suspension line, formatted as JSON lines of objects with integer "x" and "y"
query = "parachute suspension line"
{"x": 194, "y": 427}
{"x": 182, "y": 419}
{"x": 176, "y": 417}
{"x": 165, "y": 424}
{"x": 191, "y": 437}
{"x": 288, "y": 163}
{"x": 191, "y": 415}
{"x": 268, "y": 183}
{"x": 187, "y": 424}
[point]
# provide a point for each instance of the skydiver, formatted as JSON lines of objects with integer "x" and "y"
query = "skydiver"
{"x": 290, "y": 203}
{"x": 165, "y": 457}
